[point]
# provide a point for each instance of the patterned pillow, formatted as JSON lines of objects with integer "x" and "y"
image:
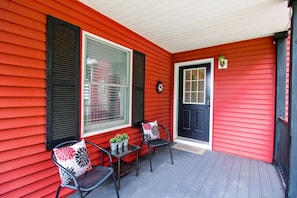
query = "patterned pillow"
{"x": 74, "y": 158}
{"x": 150, "y": 130}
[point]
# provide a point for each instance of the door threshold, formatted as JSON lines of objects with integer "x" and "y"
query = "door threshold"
{"x": 193, "y": 142}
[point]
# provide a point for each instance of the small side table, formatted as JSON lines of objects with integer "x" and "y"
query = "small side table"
{"x": 123, "y": 167}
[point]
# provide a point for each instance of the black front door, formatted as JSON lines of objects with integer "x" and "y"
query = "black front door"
{"x": 194, "y": 102}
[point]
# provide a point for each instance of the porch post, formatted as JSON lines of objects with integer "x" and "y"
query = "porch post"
{"x": 292, "y": 122}
{"x": 280, "y": 106}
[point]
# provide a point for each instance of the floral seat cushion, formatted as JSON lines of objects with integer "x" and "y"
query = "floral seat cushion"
{"x": 74, "y": 158}
{"x": 150, "y": 131}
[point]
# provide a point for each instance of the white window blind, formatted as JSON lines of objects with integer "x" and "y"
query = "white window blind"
{"x": 107, "y": 86}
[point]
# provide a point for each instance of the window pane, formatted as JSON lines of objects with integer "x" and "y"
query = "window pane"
{"x": 187, "y": 97}
{"x": 201, "y": 86}
{"x": 201, "y": 97}
{"x": 106, "y": 62}
{"x": 202, "y": 74}
{"x": 194, "y": 86}
{"x": 188, "y": 75}
{"x": 188, "y": 86}
{"x": 194, "y": 98}
{"x": 194, "y": 74}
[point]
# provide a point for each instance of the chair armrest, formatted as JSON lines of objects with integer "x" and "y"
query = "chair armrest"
{"x": 165, "y": 130}
{"x": 102, "y": 150}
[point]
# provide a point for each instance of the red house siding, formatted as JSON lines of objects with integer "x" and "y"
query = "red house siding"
{"x": 26, "y": 168}
{"x": 243, "y": 117}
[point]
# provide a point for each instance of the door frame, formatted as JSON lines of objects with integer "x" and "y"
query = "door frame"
{"x": 176, "y": 96}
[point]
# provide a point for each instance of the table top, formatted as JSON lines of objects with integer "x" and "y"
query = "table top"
{"x": 125, "y": 150}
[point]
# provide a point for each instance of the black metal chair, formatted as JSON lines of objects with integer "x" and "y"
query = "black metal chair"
{"x": 90, "y": 180}
{"x": 156, "y": 142}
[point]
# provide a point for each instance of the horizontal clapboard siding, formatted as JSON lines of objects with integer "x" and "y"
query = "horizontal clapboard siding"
{"x": 26, "y": 168}
{"x": 243, "y": 117}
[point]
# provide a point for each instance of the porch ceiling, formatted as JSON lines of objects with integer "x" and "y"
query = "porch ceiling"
{"x": 178, "y": 26}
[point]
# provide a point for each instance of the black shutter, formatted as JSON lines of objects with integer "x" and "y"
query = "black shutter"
{"x": 62, "y": 82}
{"x": 138, "y": 88}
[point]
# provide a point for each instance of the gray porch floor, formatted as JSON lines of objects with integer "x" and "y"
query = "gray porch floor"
{"x": 213, "y": 174}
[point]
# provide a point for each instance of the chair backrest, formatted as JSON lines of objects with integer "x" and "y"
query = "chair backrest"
{"x": 72, "y": 159}
{"x": 141, "y": 129}
{"x": 64, "y": 144}
{"x": 150, "y": 130}
{"x": 61, "y": 145}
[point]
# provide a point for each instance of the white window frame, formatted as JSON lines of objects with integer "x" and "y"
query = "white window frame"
{"x": 116, "y": 124}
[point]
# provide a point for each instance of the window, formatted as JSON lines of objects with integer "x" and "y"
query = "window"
{"x": 194, "y": 86}
{"x": 106, "y": 90}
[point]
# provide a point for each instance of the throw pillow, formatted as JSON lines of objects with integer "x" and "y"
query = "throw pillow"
{"x": 74, "y": 158}
{"x": 150, "y": 131}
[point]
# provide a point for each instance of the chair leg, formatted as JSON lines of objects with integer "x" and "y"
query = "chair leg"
{"x": 154, "y": 149}
{"x": 115, "y": 185}
{"x": 79, "y": 192}
{"x": 170, "y": 153}
{"x": 58, "y": 191}
{"x": 150, "y": 156}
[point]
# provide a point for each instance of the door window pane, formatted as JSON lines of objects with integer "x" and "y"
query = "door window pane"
{"x": 187, "y": 86}
{"x": 195, "y": 74}
{"x": 202, "y": 74}
{"x": 194, "y": 98}
{"x": 201, "y": 97}
{"x": 201, "y": 86}
{"x": 187, "y": 97}
{"x": 188, "y": 75}
{"x": 194, "y": 85}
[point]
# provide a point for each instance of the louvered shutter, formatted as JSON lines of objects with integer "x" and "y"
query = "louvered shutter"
{"x": 138, "y": 88}
{"x": 63, "y": 82}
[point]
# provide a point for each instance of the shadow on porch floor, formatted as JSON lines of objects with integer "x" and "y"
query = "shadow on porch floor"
{"x": 213, "y": 174}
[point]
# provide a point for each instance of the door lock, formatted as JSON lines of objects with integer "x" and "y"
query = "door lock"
{"x": 208, "y": 103}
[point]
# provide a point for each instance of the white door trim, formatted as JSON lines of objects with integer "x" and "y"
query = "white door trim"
{"x": 175, "y": 102}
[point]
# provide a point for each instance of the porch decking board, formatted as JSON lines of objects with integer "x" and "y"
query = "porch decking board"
{"x": 214, "y": 172}
{"x": 264, "y": 175}
{"x": 187, "y": 185}
{"x": 222, "y": 180}
{"x": 276, "y": 188}
{"x": 233, "y": 180}
{"x": 211, "y": 175}
{"x": 255, "y": 184}
{"x": 185, "y": 168}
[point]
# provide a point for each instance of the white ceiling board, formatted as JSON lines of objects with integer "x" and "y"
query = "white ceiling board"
{"x": 178, "y": 26}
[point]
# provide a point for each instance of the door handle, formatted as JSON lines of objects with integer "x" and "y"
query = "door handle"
{"x": 208, "y": 103}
